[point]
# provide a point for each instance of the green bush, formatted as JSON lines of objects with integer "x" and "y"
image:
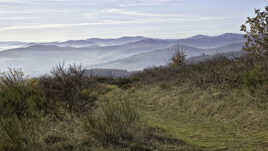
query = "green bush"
{"x": 123, "y": 83}
{"x": 254, "y": 78}
{"x": 20, "y": 107}
{"x": 18, "y": 97}
{"x": 19, "y": 134}
{"x": 114, "y": 124}
{"x": 165, "y": 86}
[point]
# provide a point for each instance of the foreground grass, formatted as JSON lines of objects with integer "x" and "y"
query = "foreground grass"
{"x": 216, "y": 105}
{"x": 203, "y": 119}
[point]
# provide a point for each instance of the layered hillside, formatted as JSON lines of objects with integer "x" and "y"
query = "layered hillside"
{"x": 126, "y": 53}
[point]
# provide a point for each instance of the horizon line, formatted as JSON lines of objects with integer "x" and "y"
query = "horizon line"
{"x": 186, "y": 37}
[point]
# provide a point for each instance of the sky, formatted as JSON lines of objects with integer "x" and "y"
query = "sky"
{"x": 59, "y": 20}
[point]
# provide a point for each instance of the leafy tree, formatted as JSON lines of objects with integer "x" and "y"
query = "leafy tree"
{"x": 256, "y": 29}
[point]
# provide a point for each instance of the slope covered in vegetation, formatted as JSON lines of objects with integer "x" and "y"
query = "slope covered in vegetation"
{"x": 220, "y": 104}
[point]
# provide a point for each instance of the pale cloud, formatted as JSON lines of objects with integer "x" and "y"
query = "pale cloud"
{"x": 109, "y": 22}
{"x": 17, "y": 18}
{"x": 139, "y": 14}
{"x": 93, "y": 19}
{"x": 114, "y": 12}
{"x": 104, "y": 22}
{"x": 135, "y": 3}
{"x": 4, "y": 1}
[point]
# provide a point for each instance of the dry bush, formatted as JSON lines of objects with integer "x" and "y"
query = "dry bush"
{"x": 178, "y": 59}
{"x": 220, "y": 72}
{"x": 66, "y": 86}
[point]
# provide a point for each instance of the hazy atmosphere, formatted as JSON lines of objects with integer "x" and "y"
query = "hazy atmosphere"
{"x": 133, "y": 75}
{"x": 58, "y": 20}
{"x": 132, "y": 35}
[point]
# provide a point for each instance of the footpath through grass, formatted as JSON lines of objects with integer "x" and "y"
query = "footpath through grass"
{"x": 211, "y": 120}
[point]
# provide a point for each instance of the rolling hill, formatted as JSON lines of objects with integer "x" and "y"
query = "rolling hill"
{"x": 208, "y": 42}
{"x": 154, "y": 58}
{"x": 128, "y": 53}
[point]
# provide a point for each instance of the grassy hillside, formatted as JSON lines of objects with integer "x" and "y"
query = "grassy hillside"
{"x": 216, "y": 105}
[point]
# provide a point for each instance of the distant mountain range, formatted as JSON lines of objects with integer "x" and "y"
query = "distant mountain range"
{"x": 126, "y": 53}
{"x": 205, "y": 42}
{"x": 4, "y": 45}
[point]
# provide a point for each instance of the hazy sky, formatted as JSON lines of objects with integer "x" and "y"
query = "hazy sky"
{"x": 51, "y": 20}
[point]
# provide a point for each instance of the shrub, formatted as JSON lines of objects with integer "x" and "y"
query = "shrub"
{"x": 123, "y": 83}
{"x": 17, "y": 96}
{"x": 219, "y": 72}
{"x": 19, "y": 134}
{"x": 165, "y": 86}
{"x": 254, "y": 77}
{"x": 114, "y": 124}
{"x": 178, "y": 59}
{"x": 20, "y": 103}
{"x": 65, "y": 85}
